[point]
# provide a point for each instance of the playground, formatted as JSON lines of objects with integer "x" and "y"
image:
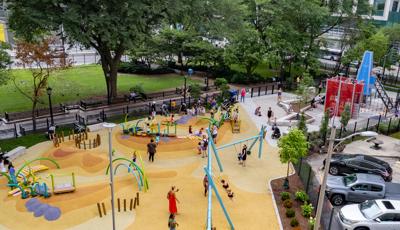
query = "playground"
{"x": 74, "y": 182}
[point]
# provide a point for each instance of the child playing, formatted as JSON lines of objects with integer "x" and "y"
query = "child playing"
{"x": 190, "y": 130}
{"x": 199, "y": 147}
{"x": 230, "y": 194}
{"x": 172, "y": 119}
{"x": 205, "y": 145}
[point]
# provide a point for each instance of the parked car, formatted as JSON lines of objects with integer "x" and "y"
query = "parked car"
{"x": 344, "y": 164}
{"x": 359, "y": 188}
{"x": 371, "y": 215}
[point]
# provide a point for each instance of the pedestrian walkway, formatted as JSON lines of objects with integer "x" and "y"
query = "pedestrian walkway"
{"x": 265, "y": 102}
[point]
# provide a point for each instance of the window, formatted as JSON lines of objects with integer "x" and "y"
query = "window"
{"x": 349, "y": 179}
{"x": 365, "y": 165}
{"x": 379, "y": 7}
{"x": 394, "y": 6}
{"x": 369, "y": 209}
{"x": 388, "y": 217}
{"x": 376, "y": 188}
{"x": 361, "y": 187}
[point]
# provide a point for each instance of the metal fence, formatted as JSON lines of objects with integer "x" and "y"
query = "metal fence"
{"x": 312, "y": 187}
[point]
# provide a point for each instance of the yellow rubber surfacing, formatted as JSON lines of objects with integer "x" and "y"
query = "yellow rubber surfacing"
{"x": 177, "y": 163}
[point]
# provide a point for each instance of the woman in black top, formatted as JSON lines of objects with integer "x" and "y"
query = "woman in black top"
{"x": 244, "y": 155}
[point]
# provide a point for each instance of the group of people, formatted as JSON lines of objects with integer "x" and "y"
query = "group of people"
{"x": 224, "y": 183}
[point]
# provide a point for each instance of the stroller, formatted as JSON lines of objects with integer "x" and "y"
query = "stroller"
{"x": 276, "y": 134}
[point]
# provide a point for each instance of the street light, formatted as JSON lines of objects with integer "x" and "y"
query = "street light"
{"x": 321, "y": 195}
{"x": 190, "y": 72}
{"x": 49, "y": 91}
{"x": 110, "y": 126}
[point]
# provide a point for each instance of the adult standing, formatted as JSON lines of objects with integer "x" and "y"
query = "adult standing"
{"x": 205, "y": 145}
{"x": 279, "y": 95}
{"x": 320, "y": 86}
{"x": 151, "y": 150}
{"x": 171, "y": 196}
{"x": 244, "y": 155}
{"x": 269, "y": 114}
{"x": 242, "y": 94}
{"x": 205, "y": 184}
{"x": 215, "y": 134}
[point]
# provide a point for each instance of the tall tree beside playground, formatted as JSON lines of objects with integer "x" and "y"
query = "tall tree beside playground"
{"x": 345, "y": 116}
{"x": 110, "y": 26}
{"x": 302, "y": 125}
{"x": 323, "y": 129}
{"x": 292, "y": 147}
{"x": 42, "y": 59}
{"x": 303, "y": 89}
{"x": 5, "y": 61}
{"x": 245, "y": 50}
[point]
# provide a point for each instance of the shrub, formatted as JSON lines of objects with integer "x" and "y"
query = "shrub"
{"x": 139, "y": 68}
{"x": 311, "y": 223}
{"x": 220, "y": 82}
{"x": 287, "y": 203}
{"x": 306, "y": 209}
{"x": 301, "y": 196}
{"x": 294, "y": 222}
{"x": 290, "y": 213}
{"x": 285, "y": 196}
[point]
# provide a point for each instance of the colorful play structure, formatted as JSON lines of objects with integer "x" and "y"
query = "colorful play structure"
{"x": 138, "y": 172}
{"x": 165, "y": 128}
{"x": 353, "y": 93}
{"x": 26, "y": 183}
{"x": 209, "y": 170}
{"x": 220, "y": 117}
{"x": 63, "y": 188}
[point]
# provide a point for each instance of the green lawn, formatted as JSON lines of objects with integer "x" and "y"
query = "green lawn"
{"x": 396, "y": 135}
{"x": 79, "y": 83}
{"x": 262, "y": 69}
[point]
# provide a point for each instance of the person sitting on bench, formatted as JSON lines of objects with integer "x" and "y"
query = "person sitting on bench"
{"x": 132, "y": 96}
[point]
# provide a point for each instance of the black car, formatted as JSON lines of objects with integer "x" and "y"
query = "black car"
{"x": 342, "y": 164}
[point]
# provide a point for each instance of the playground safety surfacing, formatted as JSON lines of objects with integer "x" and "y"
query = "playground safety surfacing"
{"x": 176, "y": 163}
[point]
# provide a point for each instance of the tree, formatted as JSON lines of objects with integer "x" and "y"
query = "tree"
{"x": 303, "y": 89}
{"x": 42, "y": 59}
{"x": 292, "y": 147}
{"x": 302, "y": 125}
{"x": 245, "y": 50}
{"x": 109, "y": 26}
{"x": 345, "y": 116}
{"x": 195, "y": 91}
{"x": 324, "y": 125}
{"x": 5, "y": 62}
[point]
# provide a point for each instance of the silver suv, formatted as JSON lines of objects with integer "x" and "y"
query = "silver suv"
{"x": 371, "y": 215}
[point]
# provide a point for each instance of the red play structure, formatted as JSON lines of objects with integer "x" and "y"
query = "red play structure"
{"x": 349, "y": 92}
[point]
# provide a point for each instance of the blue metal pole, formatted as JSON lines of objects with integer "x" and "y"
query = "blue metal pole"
{"x": 211, "y": 184}
{"x": 237, "y": 142}
{"x": 211, "y": 143}
{"x": 261, "y": 141}
{"x": 209, "y": 174}
{"x": 254, "y": 142}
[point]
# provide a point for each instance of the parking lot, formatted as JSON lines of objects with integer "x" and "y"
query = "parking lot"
{"x": 390, "y": 152}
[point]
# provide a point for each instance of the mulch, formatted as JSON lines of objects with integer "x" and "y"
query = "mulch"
{"x": 295, "y": 185}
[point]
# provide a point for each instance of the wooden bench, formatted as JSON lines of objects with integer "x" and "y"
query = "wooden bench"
{"x": 13, "y": 154}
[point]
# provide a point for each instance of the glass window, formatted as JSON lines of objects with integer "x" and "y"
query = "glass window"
{"x": 379, "y": 7}
{"x": 370, "y": 209}
{"x": 376, "y": 188}
{"x": 394, "y": 6}
{"x": 349, "y": 179}
{"x": 363, "y": 7}
{"x": 361, "y": 187}
{"x": 388, "y": 217}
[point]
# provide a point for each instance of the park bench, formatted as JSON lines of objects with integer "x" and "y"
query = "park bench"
{"x": 136, "y": 98}
{"x": 86, "y": 104}
{"x": 13, "y": 154}
{"x": 66, "y": 108}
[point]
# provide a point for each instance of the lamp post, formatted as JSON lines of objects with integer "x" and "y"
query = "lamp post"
{"x": 110, "y": 126}
{"x": 321, "y": 195}
{"x": 190, "y": 72}
{"x": 49, "y": 91}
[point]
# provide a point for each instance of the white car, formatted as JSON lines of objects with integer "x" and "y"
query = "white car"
{"x": 371, "y": 215}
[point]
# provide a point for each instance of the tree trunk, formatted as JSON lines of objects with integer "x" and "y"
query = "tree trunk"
{"x": 180, "y": 61}
{"x": 110, "y": 70}
{"x": 34, "y": 115}
{"x": 287, "y": 172}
